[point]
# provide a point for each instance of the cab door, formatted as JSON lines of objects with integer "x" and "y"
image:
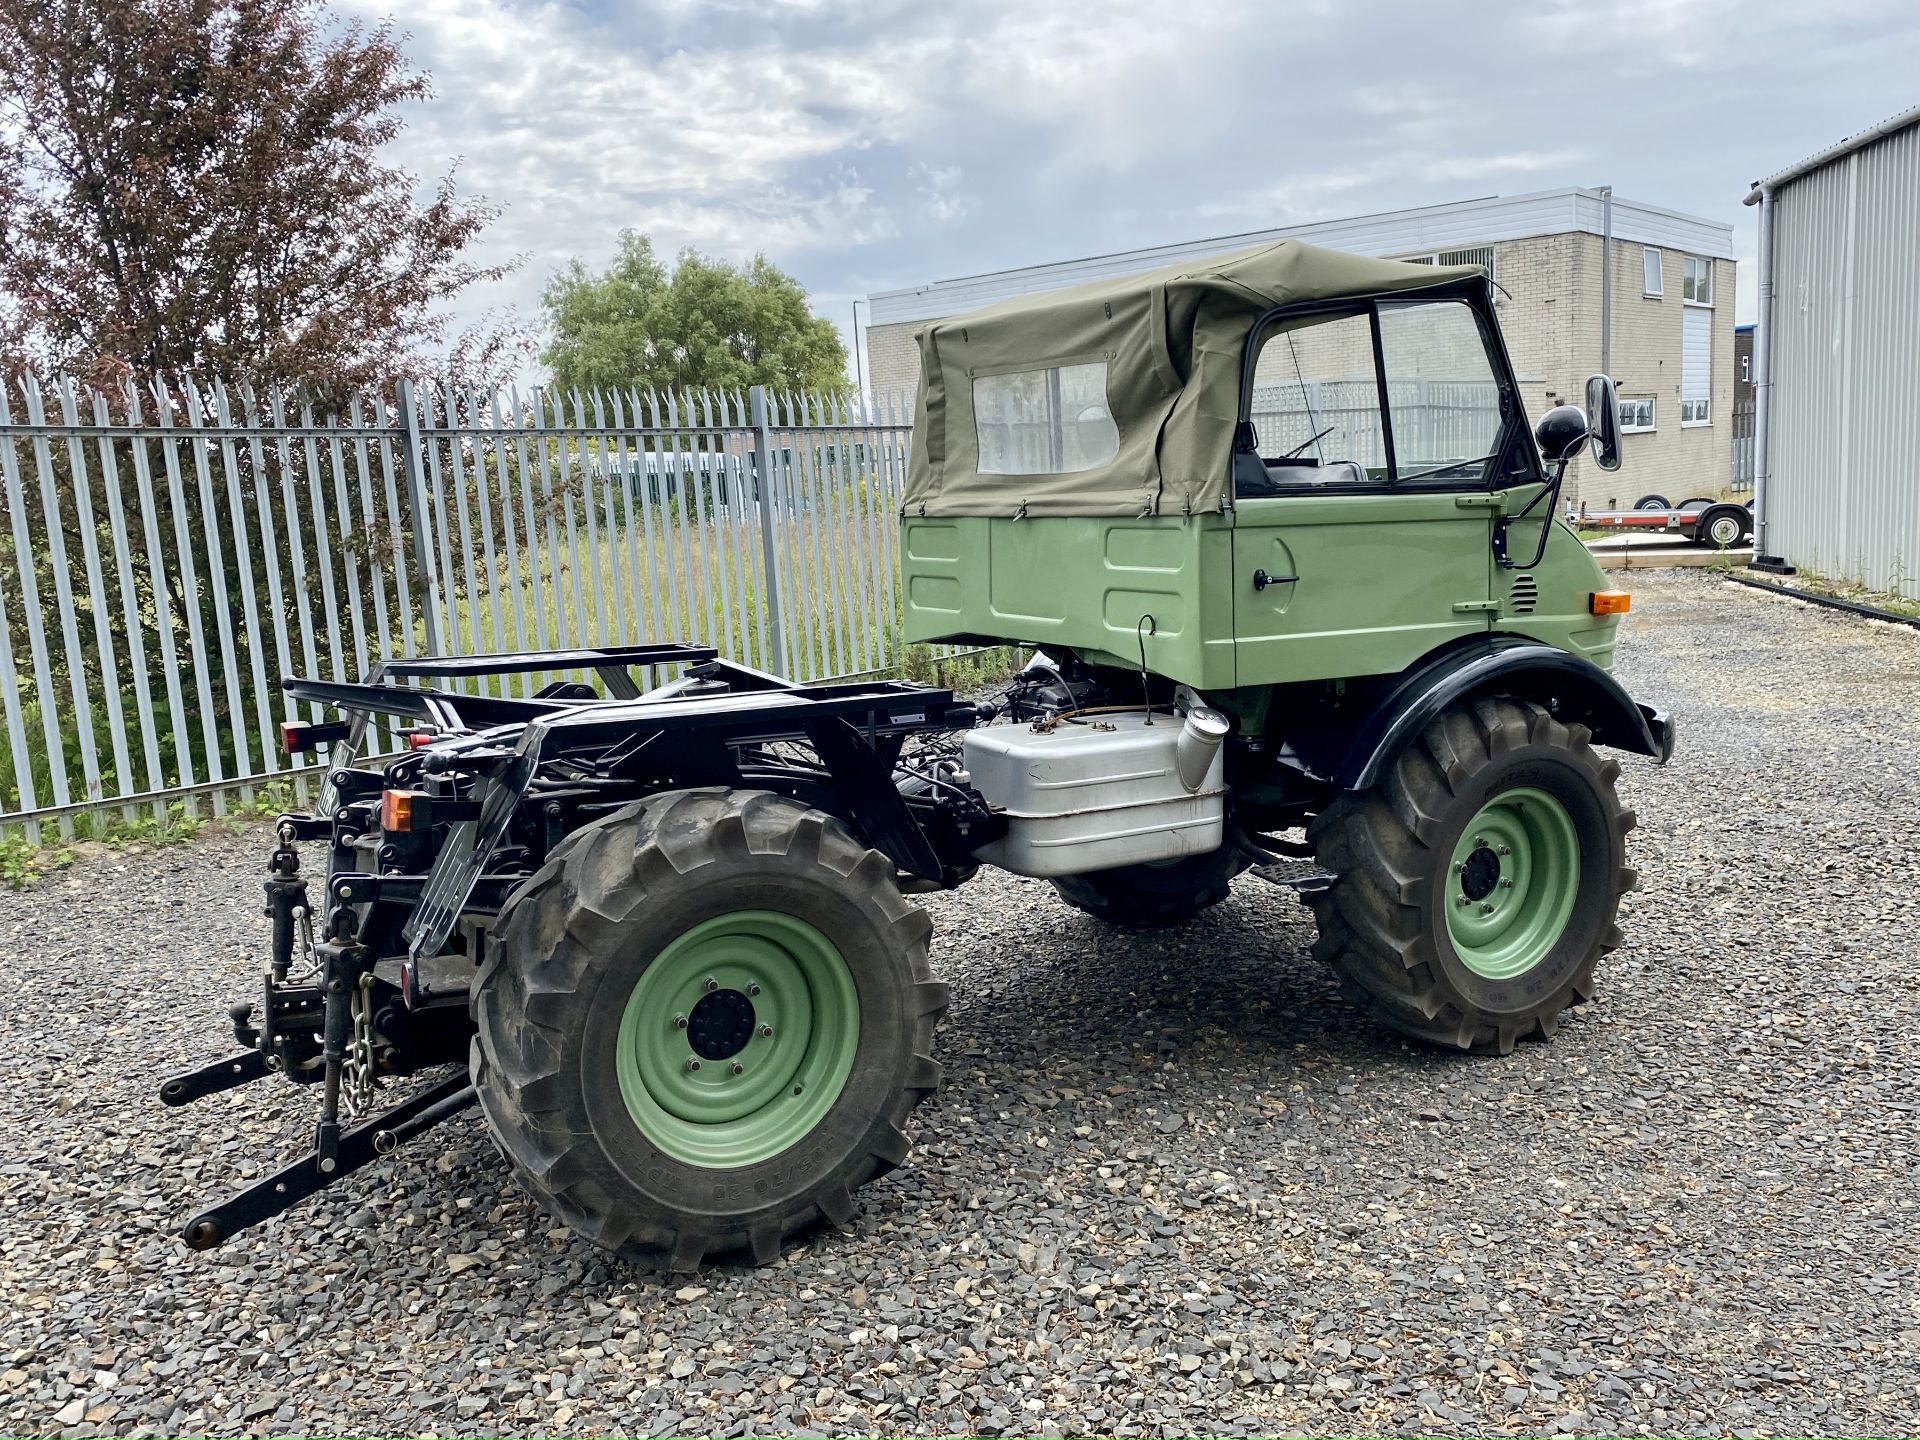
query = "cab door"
{"x": 1364, "y": 507}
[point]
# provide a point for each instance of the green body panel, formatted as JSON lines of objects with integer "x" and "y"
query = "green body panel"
{"x": 1565, "y": 581}
{"x": 1079, "y": 582}
{"x": 1382, "y": 580}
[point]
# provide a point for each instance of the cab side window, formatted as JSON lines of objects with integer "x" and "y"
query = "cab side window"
{"x": 1054, "y": 421}
{"x": 1321, "y": 412}
{"x": 1441, "y": 391}
{"x": 1315, "y": 407}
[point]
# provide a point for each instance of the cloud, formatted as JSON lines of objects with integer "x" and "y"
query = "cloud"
{"x": 866, "y": 144}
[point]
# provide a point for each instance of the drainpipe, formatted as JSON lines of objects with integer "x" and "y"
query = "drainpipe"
{"x": 1606, "y": 279}
{"x": 1763, "y": 559}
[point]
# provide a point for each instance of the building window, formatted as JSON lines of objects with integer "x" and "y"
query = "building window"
{"x": 1696, "y": 367}
{"x": 1696, "y": 280}
{"x": 1044, "y": 422}
{"x": 1653, "y": 282}
{"x": 1636, "y": 414}
{"x": 1481, "y": 255}
{"x": 1746, "y": 369}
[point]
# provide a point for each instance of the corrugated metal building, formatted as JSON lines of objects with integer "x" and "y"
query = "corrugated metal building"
{"x": 1671, "y": 342}
{"x": 1837, "y": 360}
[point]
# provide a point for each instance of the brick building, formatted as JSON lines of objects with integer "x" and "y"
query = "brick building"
{"x": 1672, "y": 351}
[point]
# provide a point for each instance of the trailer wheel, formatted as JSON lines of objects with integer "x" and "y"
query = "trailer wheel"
{"x": 703, "y": 1024}
{"x": 1652, "y": 502}
{"x": 1724, "y": 526}
{"x": 1166, "y": 892}
{"x": 1478, "y": 882}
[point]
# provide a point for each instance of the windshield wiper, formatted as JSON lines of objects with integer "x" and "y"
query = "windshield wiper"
{"x": 1311, "y": 439}
{"x": 1444, "y": 469}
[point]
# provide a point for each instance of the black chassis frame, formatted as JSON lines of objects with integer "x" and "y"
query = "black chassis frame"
{"x": 406, "y": 917}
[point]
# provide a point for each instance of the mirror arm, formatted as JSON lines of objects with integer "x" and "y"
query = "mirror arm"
{"x": 1551, "y": 488}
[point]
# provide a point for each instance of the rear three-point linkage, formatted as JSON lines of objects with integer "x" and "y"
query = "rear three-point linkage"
{"x": 315, "y": 1023}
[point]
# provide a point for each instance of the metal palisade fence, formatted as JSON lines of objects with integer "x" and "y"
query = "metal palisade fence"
{"x": 169, "y": 553}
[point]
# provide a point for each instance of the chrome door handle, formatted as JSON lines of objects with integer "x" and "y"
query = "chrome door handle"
{"x": 1261, "y": 579}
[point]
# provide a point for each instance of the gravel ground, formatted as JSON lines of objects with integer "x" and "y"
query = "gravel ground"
{"x": 1173, "y": 1186}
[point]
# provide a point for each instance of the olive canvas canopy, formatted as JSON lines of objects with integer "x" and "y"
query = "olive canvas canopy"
{"x": 1119, "y": 397}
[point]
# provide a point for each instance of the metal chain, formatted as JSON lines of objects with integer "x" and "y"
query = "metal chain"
{"x": 357, "y": 1080}
{"x": 307, "y": 955}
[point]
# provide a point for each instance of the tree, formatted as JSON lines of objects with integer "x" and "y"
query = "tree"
{"x": 198, "y": 185}
{"x": 708, "y": 323}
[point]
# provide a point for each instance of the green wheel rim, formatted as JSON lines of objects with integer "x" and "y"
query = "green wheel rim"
{"x": 1511, "y": 883}
{"x": 771, "y": 1003}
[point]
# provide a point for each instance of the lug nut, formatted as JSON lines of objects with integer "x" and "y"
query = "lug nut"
{"x": 797, "y": 1089}
{"x": 1506, "y": 882}
{"x": 1458, "y": 866}
{"x": 1486, "y": 909}
{"x": 738, "y": 1068}
{"x": 1479, "y": 842}
{"x": 693, "y": 1063}
{"x": 766, "y": 1032}
{"x": 1463, "y": 900}
{"x": 1506, "y": 849}
{"x": 679, "y": 1022}
{"x": 712, "y": 984}
{"x": 753, "y": 989}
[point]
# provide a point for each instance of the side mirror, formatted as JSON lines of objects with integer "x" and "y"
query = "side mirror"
{"x": 1603, "y": 421}
{"x": 1561, "y": 433}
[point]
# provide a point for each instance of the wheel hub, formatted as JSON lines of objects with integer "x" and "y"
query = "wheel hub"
{"x": 720, "y": 1024}
{"x": 1515, "y": 873}
{"x": 1480, "y": 873}
{"x": 737, "y": 1039}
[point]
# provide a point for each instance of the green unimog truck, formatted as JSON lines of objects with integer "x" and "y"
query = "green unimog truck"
{"x": 1284, "y": 545}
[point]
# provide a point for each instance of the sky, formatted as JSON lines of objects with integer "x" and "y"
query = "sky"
{"x": 866, "y": 145}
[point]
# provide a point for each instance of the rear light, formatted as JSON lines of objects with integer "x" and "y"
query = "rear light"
{"x": 420, "y": 739}
{"x": 1609, "y": 602}
{"x": 298, "y": 739}
{"x": 415, "y": 812}
{"x": 397, "y": 810}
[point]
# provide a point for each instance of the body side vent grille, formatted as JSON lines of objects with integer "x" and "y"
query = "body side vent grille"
{"x": 1523, "y": 594}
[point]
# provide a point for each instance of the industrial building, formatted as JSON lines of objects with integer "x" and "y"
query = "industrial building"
{"x": 1836, "y": 360}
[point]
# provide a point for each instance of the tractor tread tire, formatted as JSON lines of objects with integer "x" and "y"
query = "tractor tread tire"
{"x": 1147, "y": 897}
{"x": 556, "y": 935}
{"x": 1384, "y": 845}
